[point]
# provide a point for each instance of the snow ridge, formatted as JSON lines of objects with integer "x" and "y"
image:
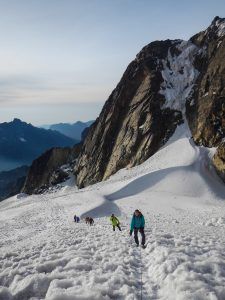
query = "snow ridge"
{"x": 179, "y": 76}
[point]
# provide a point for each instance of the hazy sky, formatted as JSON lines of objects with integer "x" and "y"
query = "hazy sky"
{"x": 60, "y": 59}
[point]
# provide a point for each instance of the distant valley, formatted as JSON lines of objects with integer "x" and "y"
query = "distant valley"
{"x": 21, "y": 143}
{"x": 7, "y": 164}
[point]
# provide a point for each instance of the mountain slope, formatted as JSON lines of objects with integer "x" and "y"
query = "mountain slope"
{"x": 168, "y": 83}
{"x": 183, "y": 204}
{"x": 73, "y": 131}
{"x": 11, "y": 182}
{"x": 131, "y": 126}
{"x": 46, "y": 171}
{"x": 205, "y": 109}
{"x": 20, "y": 142}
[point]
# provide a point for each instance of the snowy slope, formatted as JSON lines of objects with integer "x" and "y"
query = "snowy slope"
{"x": 44, "y": 255}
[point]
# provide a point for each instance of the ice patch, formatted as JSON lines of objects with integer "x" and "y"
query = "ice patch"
{"x": 179, "y": 76}
{"x": 22, "y": 139}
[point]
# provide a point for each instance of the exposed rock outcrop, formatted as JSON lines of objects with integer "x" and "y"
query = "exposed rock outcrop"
{"x": 219, "y": 161}
{"x": 206, "y": 108}
{"x": 45, "y": 171}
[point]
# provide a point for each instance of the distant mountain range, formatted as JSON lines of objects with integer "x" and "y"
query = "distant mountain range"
{"x": 21, "y": 143}
{"x": 11, "y": 182}
{"x": 73, "y": 131}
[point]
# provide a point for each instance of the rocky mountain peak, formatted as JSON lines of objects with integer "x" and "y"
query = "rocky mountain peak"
{"x": 167, "y": 83}
{"x": 218, "y": 25}
{"x": 16, "y": 120}
{"x": 155, "y": 50}
{"x": 214, "y": 33}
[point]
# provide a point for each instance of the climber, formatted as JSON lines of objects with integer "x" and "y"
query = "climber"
{"x": 76, "y": 219}
{"x": 138, "y": 224}
{"x": 115, "y": 222}
{"x": 89, "y": 220}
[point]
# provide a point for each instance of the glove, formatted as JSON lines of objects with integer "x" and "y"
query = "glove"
{"x": 131, "y": 232}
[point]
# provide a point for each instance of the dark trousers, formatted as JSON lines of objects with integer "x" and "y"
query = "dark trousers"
{"x": 118, "y": 226}
{"x": 141, "y": 230}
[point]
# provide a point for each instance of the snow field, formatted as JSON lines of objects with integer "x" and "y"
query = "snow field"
{"x": 184, "y": 259}
{"x": 45, "y": 255}
{"x": 81, "y": 262}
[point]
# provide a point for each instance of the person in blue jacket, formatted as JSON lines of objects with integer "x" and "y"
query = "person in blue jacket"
{"x": 138, "y": 224}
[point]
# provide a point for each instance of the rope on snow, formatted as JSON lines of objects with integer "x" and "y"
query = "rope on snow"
{"x": 141, "y": 275}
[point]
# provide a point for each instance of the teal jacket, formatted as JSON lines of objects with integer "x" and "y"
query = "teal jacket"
{"x": 137, "y": 222}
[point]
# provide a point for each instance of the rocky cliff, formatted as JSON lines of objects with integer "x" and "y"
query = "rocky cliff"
{"x": 206, "y": 108}
{"x": 168, "y": 83}
{"x": 46, "y": 170}
{"x": 219, "y": 161}
{"x": 132, "y": 126}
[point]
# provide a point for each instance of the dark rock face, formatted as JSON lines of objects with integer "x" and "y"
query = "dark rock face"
{"x": 11, "y": 182}
{"x": 168, "y": 82}
{"x": 207, "y": 114}
{"x": 45, "y": 170}
{"x": 219, "y": 161}
{"x": 85, "y": 133}
{"x": 132, "y": 126}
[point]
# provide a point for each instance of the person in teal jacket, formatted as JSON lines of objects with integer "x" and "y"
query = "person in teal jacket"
{"x": 138, "y": 224}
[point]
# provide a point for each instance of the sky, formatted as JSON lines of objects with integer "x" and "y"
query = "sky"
{"x": 61, "y": 59}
